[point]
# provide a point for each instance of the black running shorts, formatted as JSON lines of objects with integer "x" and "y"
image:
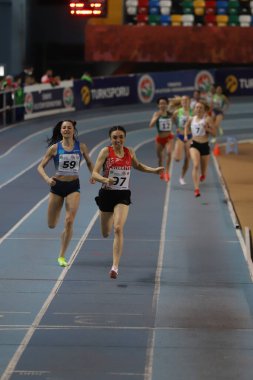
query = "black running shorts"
{"x": 203, "y": 148}
{"x": 108, "y": 199}
{"x": 64, "y": 188}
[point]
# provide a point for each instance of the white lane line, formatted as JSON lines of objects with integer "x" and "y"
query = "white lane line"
{"x": 36, "y": 162}
{"x": 20, "y": 173}
{"x": 125, "y": 373}
{"x": 106, "y": 314}
{"x": 15, "y": 312}
{"x": 25, "y": 341}
{"x": 32, "y": 373}
{"x": 26, "y": 216}
{"x": 151, "y": 339}
{"x": 35, "y": 325}
{"x": 22, "y": 142}
{"x": 31, "y": 136}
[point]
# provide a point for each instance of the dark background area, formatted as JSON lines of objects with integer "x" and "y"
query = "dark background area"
{"x": 47, "y": 36}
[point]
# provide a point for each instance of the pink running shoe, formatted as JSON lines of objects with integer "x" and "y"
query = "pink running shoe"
{"x": 114, "y": 272}
{"x": 202, "y": 178}
{"x": 166, "y": 177}
{"x": 197, "y": 193}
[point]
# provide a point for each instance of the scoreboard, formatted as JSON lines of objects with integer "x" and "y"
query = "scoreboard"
{"x": 88, "y": 8}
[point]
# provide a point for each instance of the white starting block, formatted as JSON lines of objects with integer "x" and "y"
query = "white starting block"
{"x": 231, "y": 145}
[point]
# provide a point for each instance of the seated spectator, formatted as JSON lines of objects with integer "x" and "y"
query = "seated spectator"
{"x": 47, "y": 77}
{"x": 86, "y": 76}
{"x": 25, "y": 75}
{"x": 9, "y": 86}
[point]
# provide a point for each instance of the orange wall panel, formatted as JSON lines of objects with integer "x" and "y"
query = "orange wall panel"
{"x": 130, "y": 43}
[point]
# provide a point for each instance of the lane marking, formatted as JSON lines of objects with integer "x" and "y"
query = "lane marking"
{"x": 20, "y": 173}
{"x": 26, "y": 216}
{"x": 129, "y": 328}
{"x": 35, "y": 324}
{"x": 32, "y": 373}
{"x": 25, "y": 341}
{"x": 79, "y": 134}
{"x": 125, "y": 374}
{"x": 31, "y": 136}
{"x": 151, "y": 338}
{"x": 81, "y": 314}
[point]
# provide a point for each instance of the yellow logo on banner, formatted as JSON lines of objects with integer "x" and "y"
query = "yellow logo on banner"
{"x": 86, "y": 96}
{"x": 231, "y": 83}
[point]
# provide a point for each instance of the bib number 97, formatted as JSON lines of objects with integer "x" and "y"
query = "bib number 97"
{"x": 119, "y": 181}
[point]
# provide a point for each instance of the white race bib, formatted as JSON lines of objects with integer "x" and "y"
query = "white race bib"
{"x": 121, "y": 179}
{"x": 69, "y": 163}
{"x": 198, "y": 127}
{"x": 165, "y": 125}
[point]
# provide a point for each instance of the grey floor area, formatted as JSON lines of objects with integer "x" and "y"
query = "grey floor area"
{"x": 180, "y": 309}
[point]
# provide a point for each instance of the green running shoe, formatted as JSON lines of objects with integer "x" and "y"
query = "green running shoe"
{"x": 62, "y": 262}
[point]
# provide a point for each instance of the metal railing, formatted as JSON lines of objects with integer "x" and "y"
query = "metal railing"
{"x": 10, "y": 111}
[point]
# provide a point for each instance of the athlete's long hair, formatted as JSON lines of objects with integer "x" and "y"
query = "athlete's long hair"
{"x": 57, "y": 136}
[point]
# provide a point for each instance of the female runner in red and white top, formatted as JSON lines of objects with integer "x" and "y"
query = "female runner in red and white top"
{"x": 114, "y": 197}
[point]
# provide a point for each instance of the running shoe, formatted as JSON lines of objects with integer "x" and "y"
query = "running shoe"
{"x": 166, "y": 177}
{"x": 197, "y": 193}
{"x": 62, "y": 262}
{"x": 182, "y": 181}
{"x": 114, "y": 272}
{"x": 202, "y": 178}
{"x": 162, "y": 175}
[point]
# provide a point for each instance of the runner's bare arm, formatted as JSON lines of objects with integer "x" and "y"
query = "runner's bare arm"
{"x": 85, "y": 152}
{"x": 154, "y": 119}
{"x": 98, "y": 167}
{"x": 187, "y": 128}
{"x": 142, "y": 167}
{"x": 48, "y": 156}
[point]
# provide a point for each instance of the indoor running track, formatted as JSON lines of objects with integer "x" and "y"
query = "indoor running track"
{"x": 182, "y": 305}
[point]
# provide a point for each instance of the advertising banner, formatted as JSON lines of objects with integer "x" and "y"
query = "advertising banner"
{"x": 110, "y": 91}
{"x": 175, "y": 83}
{"x": 235, "y": 81}
{"x": 43, "y": 99}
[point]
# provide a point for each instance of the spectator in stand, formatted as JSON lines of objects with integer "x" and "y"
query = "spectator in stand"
{"x": 9, "y": 87}
{"x": 19, "y": 100}
{"x": 86, "y": 76}
{"x": 48, "y": 77}
{"x": 27, "y": 75}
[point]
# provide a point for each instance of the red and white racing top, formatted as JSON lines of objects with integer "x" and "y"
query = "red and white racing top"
{"x": 119, "y": 168}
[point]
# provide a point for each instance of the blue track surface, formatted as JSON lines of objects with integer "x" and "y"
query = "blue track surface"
{"x": 182, "y": 307}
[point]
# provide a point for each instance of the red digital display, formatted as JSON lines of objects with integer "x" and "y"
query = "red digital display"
{"x": 89, "y": 8}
